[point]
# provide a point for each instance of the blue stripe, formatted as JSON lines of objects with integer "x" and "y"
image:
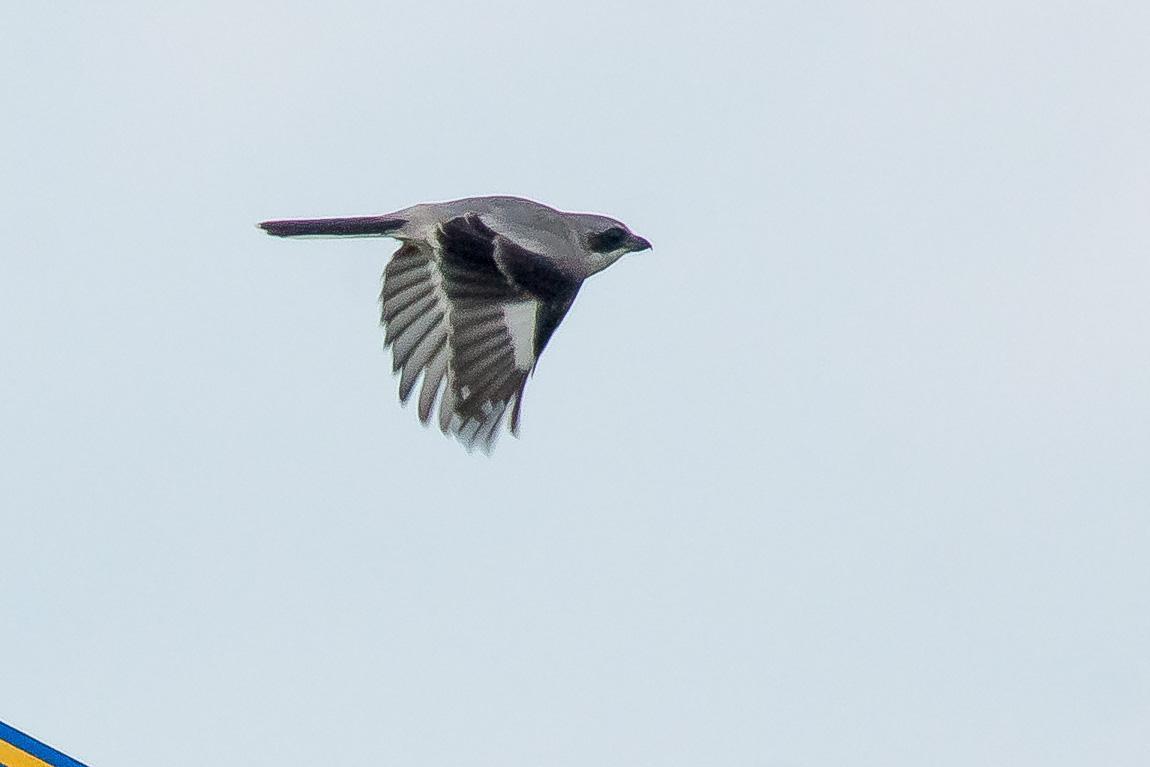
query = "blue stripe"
{"x": 30, "y": 745}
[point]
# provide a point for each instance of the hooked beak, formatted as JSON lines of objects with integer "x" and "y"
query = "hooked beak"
{"x": 636, "y": 243}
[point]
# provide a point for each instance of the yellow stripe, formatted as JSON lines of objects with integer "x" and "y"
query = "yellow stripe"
{"x": 10, "y": 756}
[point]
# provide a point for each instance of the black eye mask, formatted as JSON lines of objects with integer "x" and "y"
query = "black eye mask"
{"x": 603, "y": 242}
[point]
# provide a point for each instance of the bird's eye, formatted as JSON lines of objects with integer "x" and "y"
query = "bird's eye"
{"x": 608, "y": 240}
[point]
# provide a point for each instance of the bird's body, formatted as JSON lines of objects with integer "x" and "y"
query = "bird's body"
{"x": 473, "y": 294}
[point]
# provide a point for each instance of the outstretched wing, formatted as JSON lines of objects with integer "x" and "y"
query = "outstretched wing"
{"x": 472, "y": 311}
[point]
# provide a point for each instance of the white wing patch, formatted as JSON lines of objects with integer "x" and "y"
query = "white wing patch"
{"x": 520, "y": 317}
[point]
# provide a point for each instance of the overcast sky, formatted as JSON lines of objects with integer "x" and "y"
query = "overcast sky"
{"x": 853, "y": 468}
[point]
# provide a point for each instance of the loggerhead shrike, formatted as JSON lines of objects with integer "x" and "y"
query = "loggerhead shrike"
{"x": 473, "y": 294}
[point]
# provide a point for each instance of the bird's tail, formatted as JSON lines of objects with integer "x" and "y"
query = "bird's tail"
{"x": 359, "y": 226}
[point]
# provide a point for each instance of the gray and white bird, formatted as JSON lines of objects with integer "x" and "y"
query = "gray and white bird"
{"x": 473, "y": 294}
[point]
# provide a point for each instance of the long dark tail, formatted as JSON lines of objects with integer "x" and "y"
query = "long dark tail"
{"x": 359, "y": 226}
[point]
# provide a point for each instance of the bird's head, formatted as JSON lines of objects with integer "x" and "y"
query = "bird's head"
{"x": 606, "y": 240}
{"x": 608, "y": 236}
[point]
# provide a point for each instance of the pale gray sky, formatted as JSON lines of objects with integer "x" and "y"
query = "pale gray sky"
{"x": 852, "y": 469}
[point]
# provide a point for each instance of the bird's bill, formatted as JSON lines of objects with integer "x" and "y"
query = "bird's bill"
{"x": 637, "y": 243}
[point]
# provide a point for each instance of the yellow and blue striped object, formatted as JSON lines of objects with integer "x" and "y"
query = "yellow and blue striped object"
{"x": 20, "y": 750}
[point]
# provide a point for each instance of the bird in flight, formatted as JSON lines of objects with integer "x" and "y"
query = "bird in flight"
{"x": 473, "y": 294}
